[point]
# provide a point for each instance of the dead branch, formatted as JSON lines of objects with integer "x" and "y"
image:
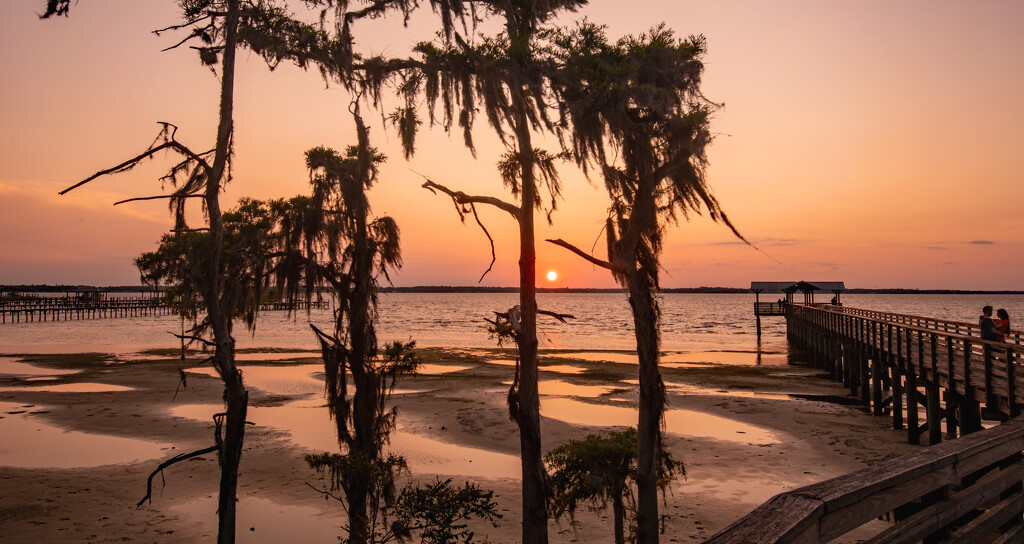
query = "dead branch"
{"x": 558, "y": 316}
{"x": 182, "y": 382}
{"x": 196, "y": 33}
{"x": 168, "y": 143}
{"x": 157, "y": 197}
{"x": 191, "y": 22}
{"x": 489, "y": 239}
{"x": 603, "y": 264}
{"x": 195, "y": 338}
{"x": 326, "y": 494}
{"x": 123, "y": 167}
{"x": 463, "y": 198}
{"x": 172, "y": 461}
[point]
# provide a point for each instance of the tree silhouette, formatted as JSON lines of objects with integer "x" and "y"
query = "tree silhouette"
{"x": 635, "y": 111}
{"x": 504, "y": 77}
{"x": 330, "y": 239}
{"x": 219, "y": 27}
{"x": 597, "y": 469}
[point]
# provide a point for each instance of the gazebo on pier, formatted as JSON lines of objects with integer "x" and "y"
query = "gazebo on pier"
{"x": 790, "y": 288}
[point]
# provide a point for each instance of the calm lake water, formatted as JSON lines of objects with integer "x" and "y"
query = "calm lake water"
{"x": 690, "y": 322}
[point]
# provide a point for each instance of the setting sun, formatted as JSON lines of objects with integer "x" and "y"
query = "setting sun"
{"x": 552, "y": 275}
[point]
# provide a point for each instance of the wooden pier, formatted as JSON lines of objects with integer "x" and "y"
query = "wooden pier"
{"x": 966, "y": 490}
{"x": 100, "y": 305}
{"x": 31, "y": 309}
{"x": 901, "y": 364}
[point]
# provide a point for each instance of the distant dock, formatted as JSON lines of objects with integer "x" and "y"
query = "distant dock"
{"x": 105, "y": 305}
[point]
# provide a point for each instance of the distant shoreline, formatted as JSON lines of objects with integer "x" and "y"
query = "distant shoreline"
{"x": 481, "y": 289}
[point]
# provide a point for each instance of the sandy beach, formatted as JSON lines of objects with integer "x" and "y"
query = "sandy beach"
{"x": 744, "y": 432}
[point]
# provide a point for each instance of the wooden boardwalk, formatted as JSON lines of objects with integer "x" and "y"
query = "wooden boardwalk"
{"x": 902, "y": 364}
{"x": 967, "y": 490}
{"x": 40, "y": 309}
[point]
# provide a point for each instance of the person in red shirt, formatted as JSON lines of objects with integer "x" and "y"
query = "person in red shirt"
{"x": 1002, "y": 323}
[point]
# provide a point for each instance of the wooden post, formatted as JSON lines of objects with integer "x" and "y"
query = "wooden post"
{"x": 897, "y": 381}
{"x": 933, "y": 409}
{"x": 970, "y": 409}
{"x": 876, "y": 372}
{"x": 1011, "y": 384}
{"x": 913, "y": 430}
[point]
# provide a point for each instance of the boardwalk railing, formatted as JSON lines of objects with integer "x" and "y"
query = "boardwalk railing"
{"x": 899, "y": 363}
{"x": 952, "y": 327}
{"x": 967, "y": 490}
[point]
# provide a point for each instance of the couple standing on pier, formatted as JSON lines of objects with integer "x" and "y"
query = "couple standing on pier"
{"x": 994, "y": 329}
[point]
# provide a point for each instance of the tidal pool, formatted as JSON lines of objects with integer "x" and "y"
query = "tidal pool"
{"x": 563, "y": 369}
{"x": 687, "y": 389}
{"x": 32, "y": 443}
{"x": 681, "y": 422}
{"x": 432, "y": 369}
{"x": 562, "y": 388}
{"x": 308, "y": 424}
{"x": 82, "y": 387}
{"x": 14, "y": 367}
{"x": 279, "y": 380}
{"x": 276, "y": 356}
{"x": 596, "y": 356}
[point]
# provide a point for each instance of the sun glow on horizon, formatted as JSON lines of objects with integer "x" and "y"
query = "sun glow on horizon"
{"x": 552, "y": 275}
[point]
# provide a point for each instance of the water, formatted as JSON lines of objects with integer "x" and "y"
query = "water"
{"x": 33, "y": 443}
{"x": 701, "y": 327}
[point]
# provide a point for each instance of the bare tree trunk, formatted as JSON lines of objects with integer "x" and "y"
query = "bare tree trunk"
{"x": 365, "y": 396}
{"x": 619, "y": 513}
{"x": 652, "y": 405}
{"x": 235, "y": 396}
{"x": 535, "y": 519}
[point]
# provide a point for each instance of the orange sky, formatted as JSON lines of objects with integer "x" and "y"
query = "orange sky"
{"x": 875, "y": 143}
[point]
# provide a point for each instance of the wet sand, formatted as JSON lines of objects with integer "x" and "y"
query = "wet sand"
{"x": 740, "y": 433}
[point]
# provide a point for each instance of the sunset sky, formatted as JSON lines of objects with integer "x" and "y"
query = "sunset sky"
{"x": 877, "y": 143}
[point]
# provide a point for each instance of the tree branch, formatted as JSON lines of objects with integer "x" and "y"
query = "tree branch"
{"x": 326, "y": 494}
{"x": 489, "y": 239}
{"x": 123, "y": 167}
{"x": 463, "y": 198}
{"x": 195, "y": 338}
{"x": 558, "y": 316}
{"x": 172, "y": 461}
{"x": 603, "y": 264}
{"x": 168, "y": 143}
{"x": 157, "y": 197}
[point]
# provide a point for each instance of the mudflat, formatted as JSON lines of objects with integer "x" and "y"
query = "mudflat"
{"x": 84, "y": 433}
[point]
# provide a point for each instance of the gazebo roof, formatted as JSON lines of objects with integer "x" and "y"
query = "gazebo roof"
{"x": 793, "y": 286}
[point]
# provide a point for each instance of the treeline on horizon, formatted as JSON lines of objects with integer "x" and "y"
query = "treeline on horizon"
{"x": 483, "y": 289}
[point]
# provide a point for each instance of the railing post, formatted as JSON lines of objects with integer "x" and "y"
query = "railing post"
{"x": 876, "y": 371}
{"x": 934, "y": 410}
{"x": 970, "y": 409}
{"x": 897, "y": 381}
{"x": 913, "y": 400}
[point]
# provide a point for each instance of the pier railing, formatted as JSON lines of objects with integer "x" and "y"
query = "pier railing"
{"x": 965, "y": 490}
{"x": 952, "y": 327}
{"x": 899, "y": 363}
